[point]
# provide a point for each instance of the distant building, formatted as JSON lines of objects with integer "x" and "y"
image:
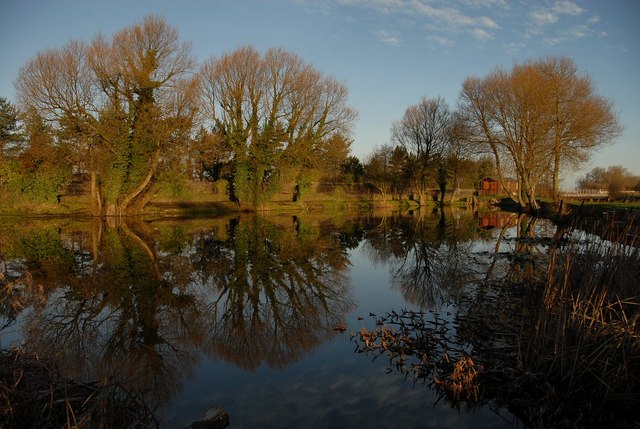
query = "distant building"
{"x": 491, "y": 186}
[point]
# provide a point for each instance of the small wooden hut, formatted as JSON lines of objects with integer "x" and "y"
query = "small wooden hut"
{"x": 491, "y": 186}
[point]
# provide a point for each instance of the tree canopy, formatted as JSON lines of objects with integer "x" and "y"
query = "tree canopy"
{"x": 615, "y": 179}
{"x": 276, "y": 115}
{"x": 122, "y": 103}
{"x": 536, "y": 118}
{"x": 129, "y": 110}
{"x": 10, "y": 130}
{"x": 134, "y": 107}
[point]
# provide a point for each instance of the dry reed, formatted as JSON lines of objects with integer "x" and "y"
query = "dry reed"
{"x": 33, "y": 393}
{"x": 560, "y": 352}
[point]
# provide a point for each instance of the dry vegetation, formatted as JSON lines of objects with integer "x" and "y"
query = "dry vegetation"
{"x": 562, "y": 353}
{"x": 34, "y": 394}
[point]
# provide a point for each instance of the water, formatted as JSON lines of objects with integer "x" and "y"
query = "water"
{"x": 255, "y": 314}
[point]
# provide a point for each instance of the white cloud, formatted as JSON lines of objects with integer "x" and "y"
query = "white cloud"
{"x": 479, "y": 4}
{"x": 575, "y": 32}
{"x": 441, "y": 19}
{"x": 389, "y": 37}
{"x": 578, "y": 31}
{"x": 541, "y": 18}
{"x": 386, "y": 6}
{"x": 449, "y": 15}
{"x": 567, "y": 8}
{"x": 514, "y": 48}
{"x": 481, "y": 34}
{"x": 452, "y": 16}
{"x": 440, "y": 40}
{"x": 558, "y": 22}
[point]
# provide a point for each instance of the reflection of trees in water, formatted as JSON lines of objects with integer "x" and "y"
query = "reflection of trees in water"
{"x": 506, "y": 347}
{"x": 137, "y": 304}
{"x": 279, "y": 293}
{"x": 428, "y": 254}
{"x": 526, "y": 257}
{"x": 109, "y": 321}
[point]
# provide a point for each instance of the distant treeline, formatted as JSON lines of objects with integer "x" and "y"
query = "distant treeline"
{"x": 134, "y": 112}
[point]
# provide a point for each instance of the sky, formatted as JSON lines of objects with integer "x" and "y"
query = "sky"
{"x": 389, "y": 53}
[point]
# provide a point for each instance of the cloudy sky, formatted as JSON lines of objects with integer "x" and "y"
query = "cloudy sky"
{"x": 389, "y": 53}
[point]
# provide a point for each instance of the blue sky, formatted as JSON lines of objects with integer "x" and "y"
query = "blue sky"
{"x": 389, "y": 53}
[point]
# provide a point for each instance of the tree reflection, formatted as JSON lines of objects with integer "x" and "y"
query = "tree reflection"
{"x": 529, "y": 337}
{"x": 136, "y": 302}
{"x": 279, "y": 293}
{"x": 428, "y": 254}
{"x": 522, "y": 258}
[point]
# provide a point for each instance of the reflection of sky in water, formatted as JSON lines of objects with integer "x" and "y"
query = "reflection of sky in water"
{"x": 332, "y": 387}
{"x": 326, "y": 384}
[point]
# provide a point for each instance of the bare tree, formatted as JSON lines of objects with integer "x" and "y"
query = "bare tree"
{"x": 506, "y": 114}
{"x": 378, "y": 170}
{"x": 274, "y": 113}
{"x": 57, "y": 85}
{"x": 125, "y": 102}
{"x": 615, "y": 179}
{"x": 582, "y": 120}
{"x": 534, "y": 119}
{"x": 424, "y": 131}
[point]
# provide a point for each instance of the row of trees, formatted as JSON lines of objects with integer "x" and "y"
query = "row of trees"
{"x": 533, "y": 121}
{"x": 615, "y": 179}
{"x": 133, "y": 108}
{"x": 129, "y": 107}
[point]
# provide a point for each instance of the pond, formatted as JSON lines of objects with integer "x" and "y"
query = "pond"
{"x": 263, "y": 315}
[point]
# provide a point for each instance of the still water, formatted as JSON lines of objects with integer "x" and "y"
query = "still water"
{"x": 256, "y": 314}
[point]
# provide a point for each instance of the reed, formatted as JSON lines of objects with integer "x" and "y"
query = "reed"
{"x": 562, "y": 350}
{"x": 33, "y": 394}
{"x": 586, "y": 336}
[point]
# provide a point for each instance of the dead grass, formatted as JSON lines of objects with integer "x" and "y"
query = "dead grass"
{"x": 560, "y": 352}
{"x": 33, "y": 394}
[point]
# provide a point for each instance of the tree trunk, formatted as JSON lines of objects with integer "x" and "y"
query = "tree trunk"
{"x": 556, "y": 176}
{"x": 556, "y": 152}
{"x": 421, "y": 197}
{"x": 112, "y": 210}
{"x": 96, "y": 237}
{"x": 123, "y": 207}
{"x": 96, "y": 203}
{"x": 516, "y": 198}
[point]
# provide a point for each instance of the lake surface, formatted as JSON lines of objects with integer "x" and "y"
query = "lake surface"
{"x": 259, "y": 315}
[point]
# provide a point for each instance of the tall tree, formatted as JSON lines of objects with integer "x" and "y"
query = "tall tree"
{"x": 456, "y": 156}
{"x": 273, "y": 112}
{"x": 56, "y": 86}
{"x": 582, "y": 120}
{"x": 534, "y": 119}
{"x": 424, "y": 132}
{"x": 352, "y": 170}
{"x": 506, "y": 112}
{"x": 125, "y": 102}
{"x": 10, "y": 130}
{"x": 378, "y": 170}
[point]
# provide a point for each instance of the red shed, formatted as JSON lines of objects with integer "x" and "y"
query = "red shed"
{"x": 491, "y": 186}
